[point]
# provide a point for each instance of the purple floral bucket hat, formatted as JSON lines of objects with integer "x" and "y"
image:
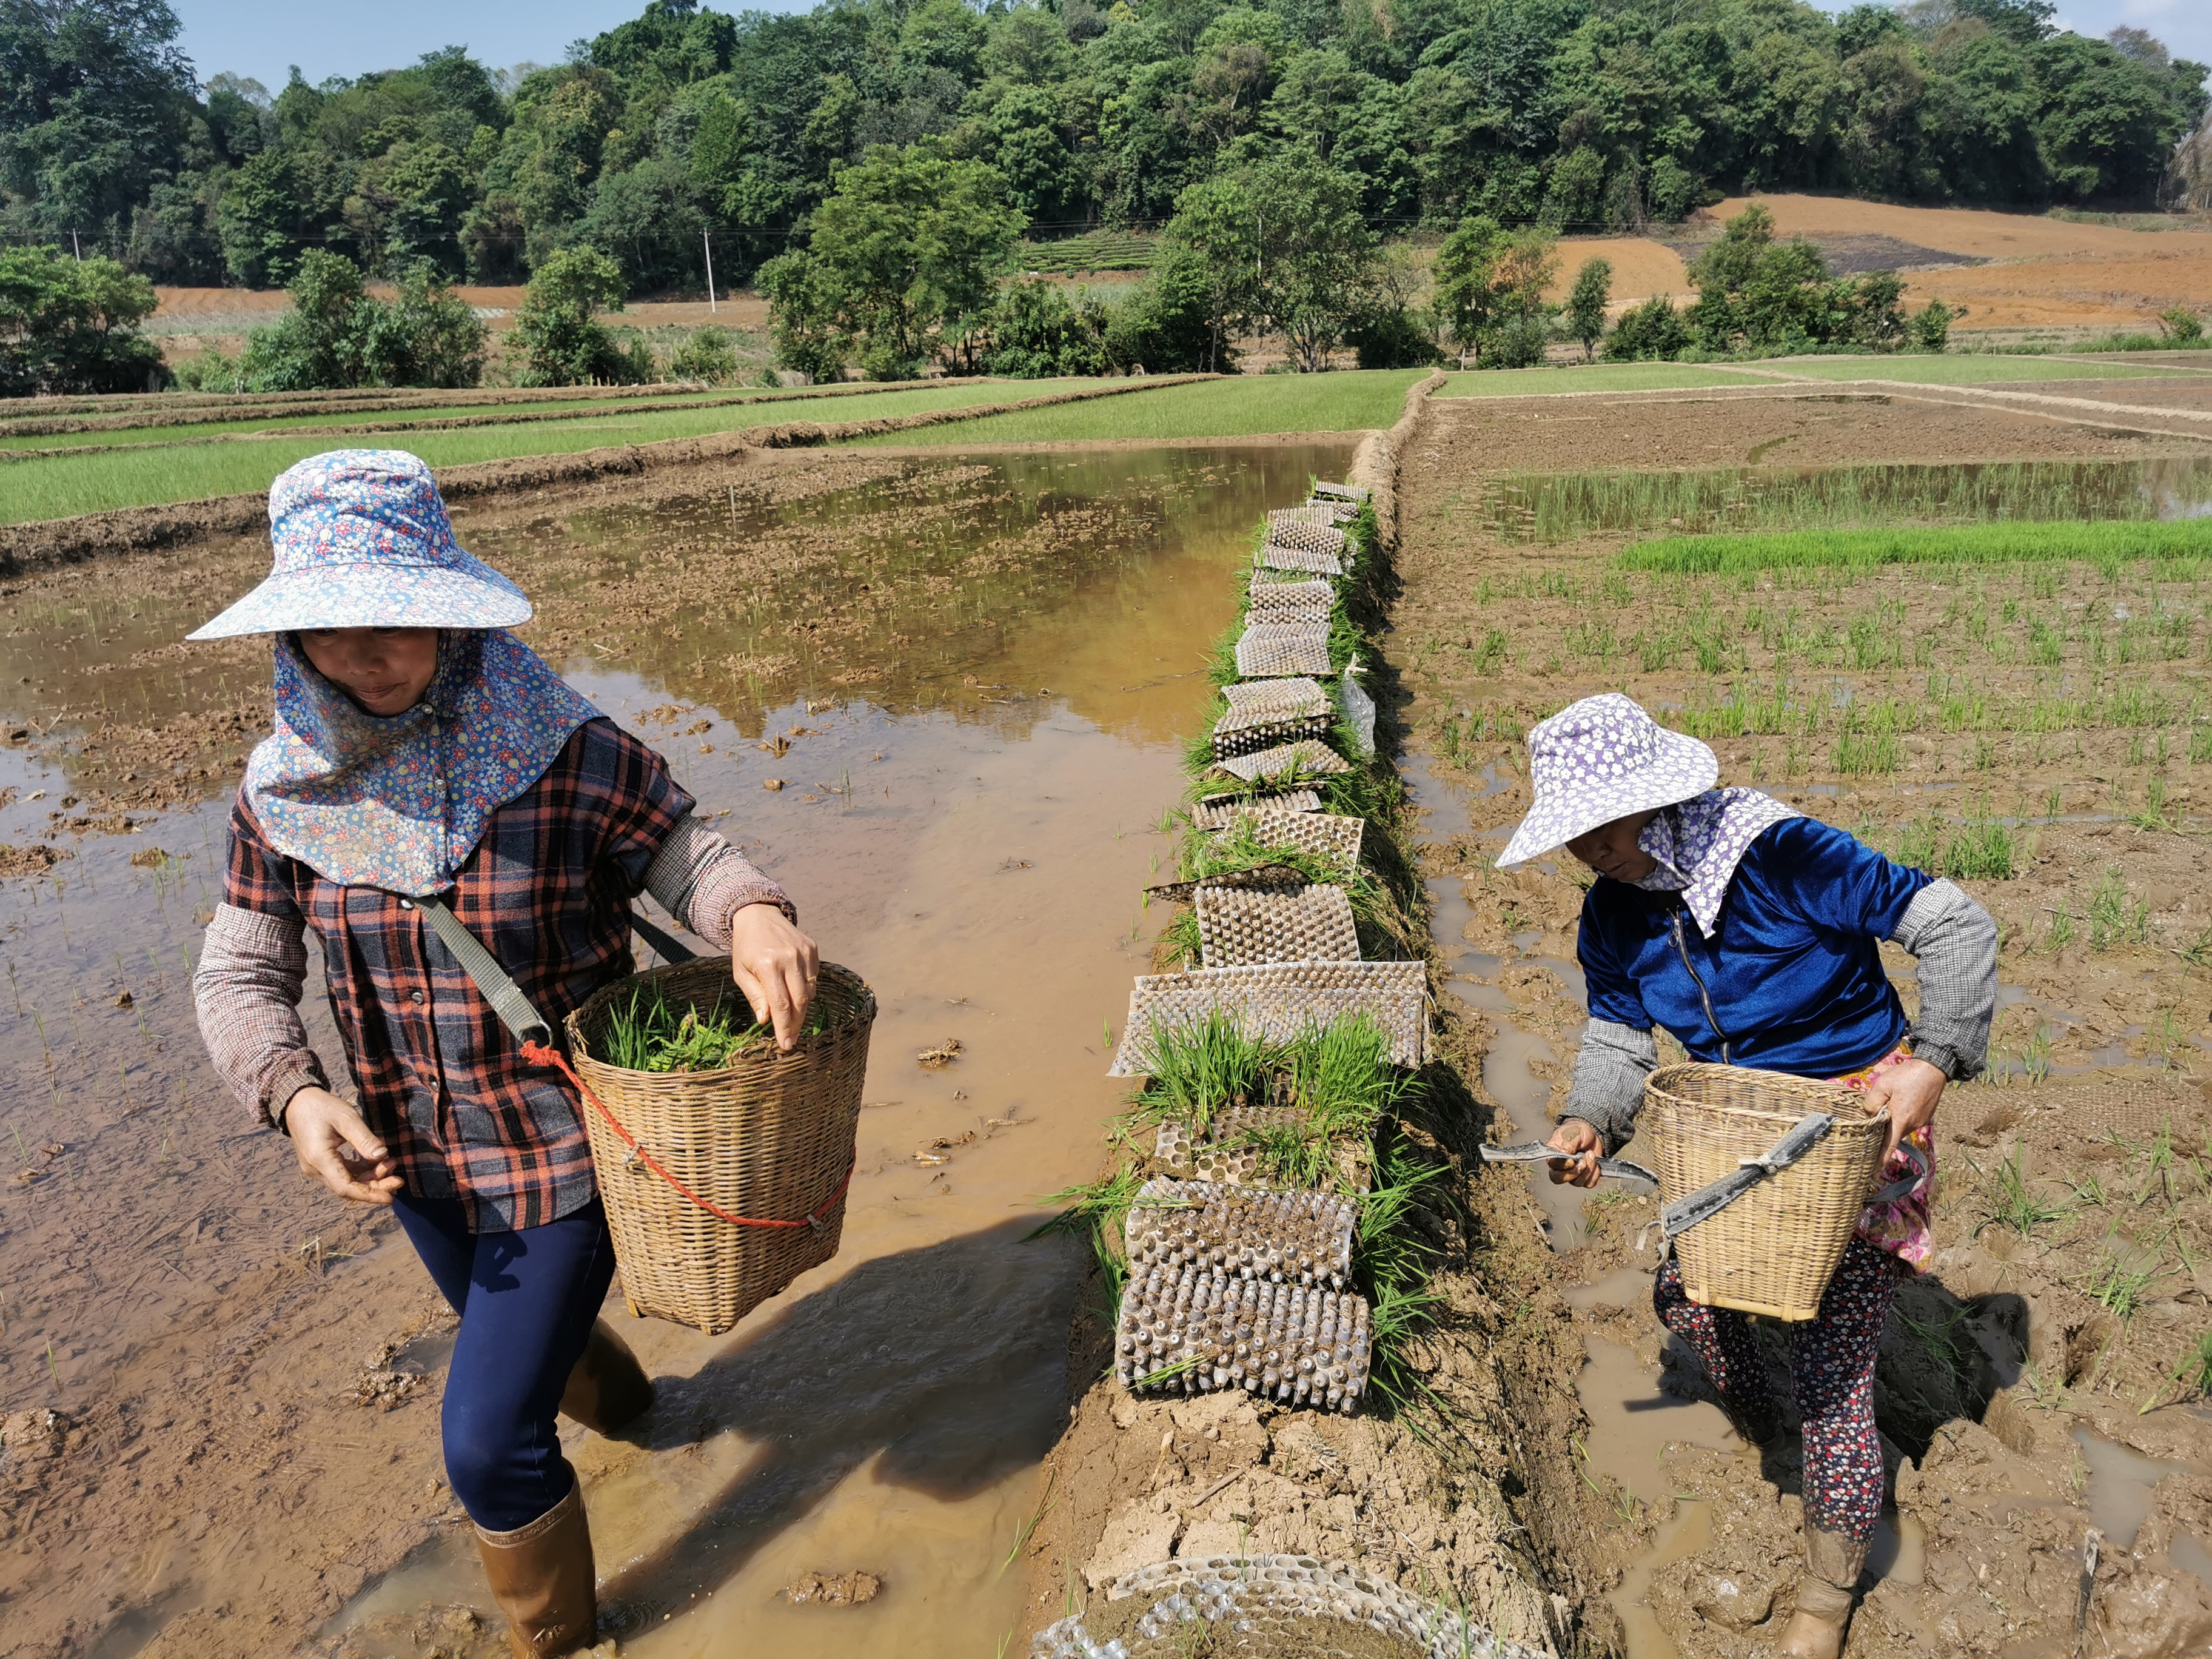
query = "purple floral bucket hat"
{"x": 362, "y": 541}
{"x": 1601, "y": 759}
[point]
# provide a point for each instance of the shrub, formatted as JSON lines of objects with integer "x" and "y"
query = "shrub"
{"x": 71, "y": 326}
{"x": 1931, "y": 329}
{"x": 1586, "y": 305}
{"x": 1520, "y": 343}
{"x": 338, "y": 336}
{"x": 2181, "y": 326}
{"x": 707, "y": 356}
{"x": 1653, "y": 331}
{"x": 558, "y": 335}
{"x": 1037, "y": 332}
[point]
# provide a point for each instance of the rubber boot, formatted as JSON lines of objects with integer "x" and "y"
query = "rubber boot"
{"x": 608, "y": 1388}
{"x": 1825, "y": 1594}
{"x": 541, "y": 1576}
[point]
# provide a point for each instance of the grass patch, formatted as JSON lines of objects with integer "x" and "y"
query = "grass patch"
{"x": 1241, "y": 405}
{"x": 2107, "y": 542}
{"x": 102, "y": 480}
{"x": 1587, "y": 377}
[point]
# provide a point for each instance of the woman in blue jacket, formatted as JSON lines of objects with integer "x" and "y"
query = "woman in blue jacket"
{"x": 1752, "y": 933}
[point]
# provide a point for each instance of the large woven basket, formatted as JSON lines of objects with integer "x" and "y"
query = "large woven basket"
{"x": 770, "y": 1137}
{"x": 1773, "y": 1250}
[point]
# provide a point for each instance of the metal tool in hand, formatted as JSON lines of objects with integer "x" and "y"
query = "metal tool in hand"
{"x": 1531, "y": 1152}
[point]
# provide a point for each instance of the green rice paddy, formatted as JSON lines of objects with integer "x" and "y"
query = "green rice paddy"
{"x": 1558, "y": 506}
{"x": 185, "y": 432}
{"x": 99, "y": 480}
{"x": 1243, "y": 405}
{"x": 2109, "y": 542}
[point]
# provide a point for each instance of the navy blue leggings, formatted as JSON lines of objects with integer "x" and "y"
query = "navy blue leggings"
{"x": 526, "y": 1299}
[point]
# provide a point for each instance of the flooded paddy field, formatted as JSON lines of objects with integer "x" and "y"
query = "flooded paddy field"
{"x": 2042, "y": 732}
{"x": 940, "y": 700}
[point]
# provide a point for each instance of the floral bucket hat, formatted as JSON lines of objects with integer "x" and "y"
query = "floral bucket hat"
{"x": 362, "y": 541}
{"x": 1601, "y": 759}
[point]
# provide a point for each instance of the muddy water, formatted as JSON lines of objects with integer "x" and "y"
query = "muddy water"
{"x": 1524, "y": 1096}
{"x": 969, "y": 830}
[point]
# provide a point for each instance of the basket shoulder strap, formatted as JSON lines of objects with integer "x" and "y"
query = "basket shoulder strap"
{"x": 515, "y": 1011}
{"x": 1702, "y": 1205}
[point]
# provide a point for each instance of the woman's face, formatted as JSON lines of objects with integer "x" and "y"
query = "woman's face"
{"x": 1611, "y": 849}
{"x": 385, "y": 671}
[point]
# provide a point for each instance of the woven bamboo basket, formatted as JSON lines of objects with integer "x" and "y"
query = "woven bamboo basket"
{"x": 1773, "y": 1250}
{"x": 772, "y": 1136}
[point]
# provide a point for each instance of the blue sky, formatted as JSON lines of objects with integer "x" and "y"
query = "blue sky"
{"x": 262, "y": 38}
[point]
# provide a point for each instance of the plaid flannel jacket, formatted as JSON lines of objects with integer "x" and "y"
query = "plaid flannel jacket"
{"x": 547, "y": 890}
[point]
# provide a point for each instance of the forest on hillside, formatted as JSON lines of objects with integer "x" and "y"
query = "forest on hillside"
{"x": 1573, "y": 114}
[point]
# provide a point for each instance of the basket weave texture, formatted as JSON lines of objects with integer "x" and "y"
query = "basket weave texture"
{"x": 1774, "y": 1249}
{"x": 771, "y": 1136}
{"x": 1314, "y": 537}
{"x": 1278, "y": 1000}
{"x": 1326, "y": 834}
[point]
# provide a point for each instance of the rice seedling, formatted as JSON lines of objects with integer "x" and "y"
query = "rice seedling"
{"x": 2012, "y": 1202}
{"x": 654, "y": 1037}
{"x": 1558, "y": 507}
{"x": 2194, "y": 1373}
{"x": 1199, "y": 1069}
{"x": 2121, "y": 1287}
{"x": 2115, "y": 917}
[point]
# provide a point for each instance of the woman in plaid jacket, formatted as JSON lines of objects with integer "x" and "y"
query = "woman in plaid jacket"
{"x": 421, "y": 750}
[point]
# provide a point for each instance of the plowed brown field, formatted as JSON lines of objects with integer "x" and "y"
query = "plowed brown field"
{"x": 2043, "y": 273}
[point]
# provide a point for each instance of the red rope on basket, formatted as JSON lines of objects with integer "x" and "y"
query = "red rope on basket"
{"x": 540, "y": 1054}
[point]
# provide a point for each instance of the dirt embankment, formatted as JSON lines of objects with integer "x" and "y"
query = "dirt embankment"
{"x": 2045, "y": 1377}
{"x": 1464, "y": 1505}
{"x": 30, "y": 547}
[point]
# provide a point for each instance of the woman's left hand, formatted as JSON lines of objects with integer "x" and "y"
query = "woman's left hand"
{"x": 1908, "y": 1092}
{"x": 776, "y": 966}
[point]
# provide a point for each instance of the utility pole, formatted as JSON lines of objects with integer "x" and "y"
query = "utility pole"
{"x": 707, "y": 239}
{"x": 74, "y": 249}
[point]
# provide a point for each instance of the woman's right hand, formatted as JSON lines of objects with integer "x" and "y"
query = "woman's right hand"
{"x": 1581, "y": 1145}
{"x": 337, "y": 1147}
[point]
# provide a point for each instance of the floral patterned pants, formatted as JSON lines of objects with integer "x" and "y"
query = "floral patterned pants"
{"x": 1831, "y": 1367}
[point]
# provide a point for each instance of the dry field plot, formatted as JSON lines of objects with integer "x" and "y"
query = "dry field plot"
{"x": 2040, "y": 730}
{"x": 2010, "y": 271}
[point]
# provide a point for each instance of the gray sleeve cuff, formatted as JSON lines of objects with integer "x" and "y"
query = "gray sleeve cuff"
{"x": 1956, "y": 942}
{"x": 1610, "y": 1069}
{"x": 702, "y": 881}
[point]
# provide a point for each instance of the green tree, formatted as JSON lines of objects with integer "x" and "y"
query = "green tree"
{"x": 96, "y": 107}
{"x": 69, "y": 325}
{"x": 1215, "y": 238}
{"x": 558, "y": 338}
{"x": 1466, "y": 278}
{"x": 803, "y": 315}
{"x": 1587, "y": 302}
{"x": 1168, "y": 325}
{"x": 908, "y": 240}
{"x": 1316, "y": 257}
{"x": 1931, "y": 328}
